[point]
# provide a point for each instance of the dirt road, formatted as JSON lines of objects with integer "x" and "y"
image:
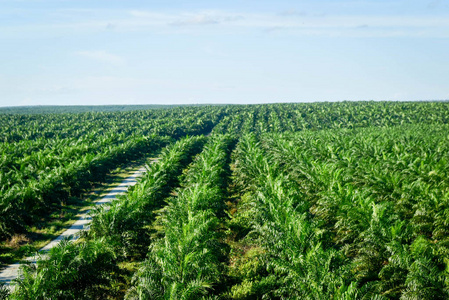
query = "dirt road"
{"x": 11, "y": 272}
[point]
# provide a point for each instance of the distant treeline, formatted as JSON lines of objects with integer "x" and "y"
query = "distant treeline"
{"x": 53, "y": 109}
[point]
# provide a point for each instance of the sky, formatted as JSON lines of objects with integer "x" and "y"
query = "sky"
{"x": 98, "y": 52}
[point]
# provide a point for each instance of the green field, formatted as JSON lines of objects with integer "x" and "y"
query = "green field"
{"x": 345, "y": 200}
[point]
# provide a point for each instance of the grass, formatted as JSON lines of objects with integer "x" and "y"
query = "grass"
{"x": 22, "y": 245}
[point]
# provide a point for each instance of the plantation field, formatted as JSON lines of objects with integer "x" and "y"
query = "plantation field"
{"x": 342, "y": 200}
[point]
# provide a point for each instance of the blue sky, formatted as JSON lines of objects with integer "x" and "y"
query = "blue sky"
{"x": 70, "y": 52}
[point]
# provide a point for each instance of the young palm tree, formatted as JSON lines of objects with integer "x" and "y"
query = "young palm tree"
{"x": 186, "y": 262}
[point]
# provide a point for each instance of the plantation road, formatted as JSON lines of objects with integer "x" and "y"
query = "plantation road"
{"x": 12, "y": 271}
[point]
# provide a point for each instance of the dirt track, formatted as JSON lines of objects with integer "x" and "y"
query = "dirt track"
{"x": 11, "y": 271}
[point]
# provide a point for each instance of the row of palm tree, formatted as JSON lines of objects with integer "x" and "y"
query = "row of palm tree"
{"x": 281, "y": 243}
{"x": 378, "y": 194}
{"x": 187, "y": 261}
{"x": 37, "y": 191}
{"x": 59, "y": 156}
{"x": 292, "y": 117}
{"x": 29, "y": 127}
{"x": 127, "y": 220}
{"x": 364, "y": 182}
{"x": 201, "y": 119}
{"x": 121, "y": 231}
{"x": 343, "y": 213}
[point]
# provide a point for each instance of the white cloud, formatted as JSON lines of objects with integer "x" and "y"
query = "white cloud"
{"x": 103, "y": 56}
{"x": 184, "y": 18}
{"x": 433, "y": 26}
{"x": 145, "y": 14}
{"x": 197, "y": 20}
{"x": 293, "y": 12}
{"x": 274, "y": 29}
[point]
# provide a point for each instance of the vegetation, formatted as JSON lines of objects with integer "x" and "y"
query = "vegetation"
{"x": 119, "y": 232}
{"x": 125, "y": 222}
{"x": 346, "y": 214}
{"x": 186, "y": 262}
{"x": 342, "y": 200}
{"x": 49, "y": 109}
{"x": 47, "y": 159}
